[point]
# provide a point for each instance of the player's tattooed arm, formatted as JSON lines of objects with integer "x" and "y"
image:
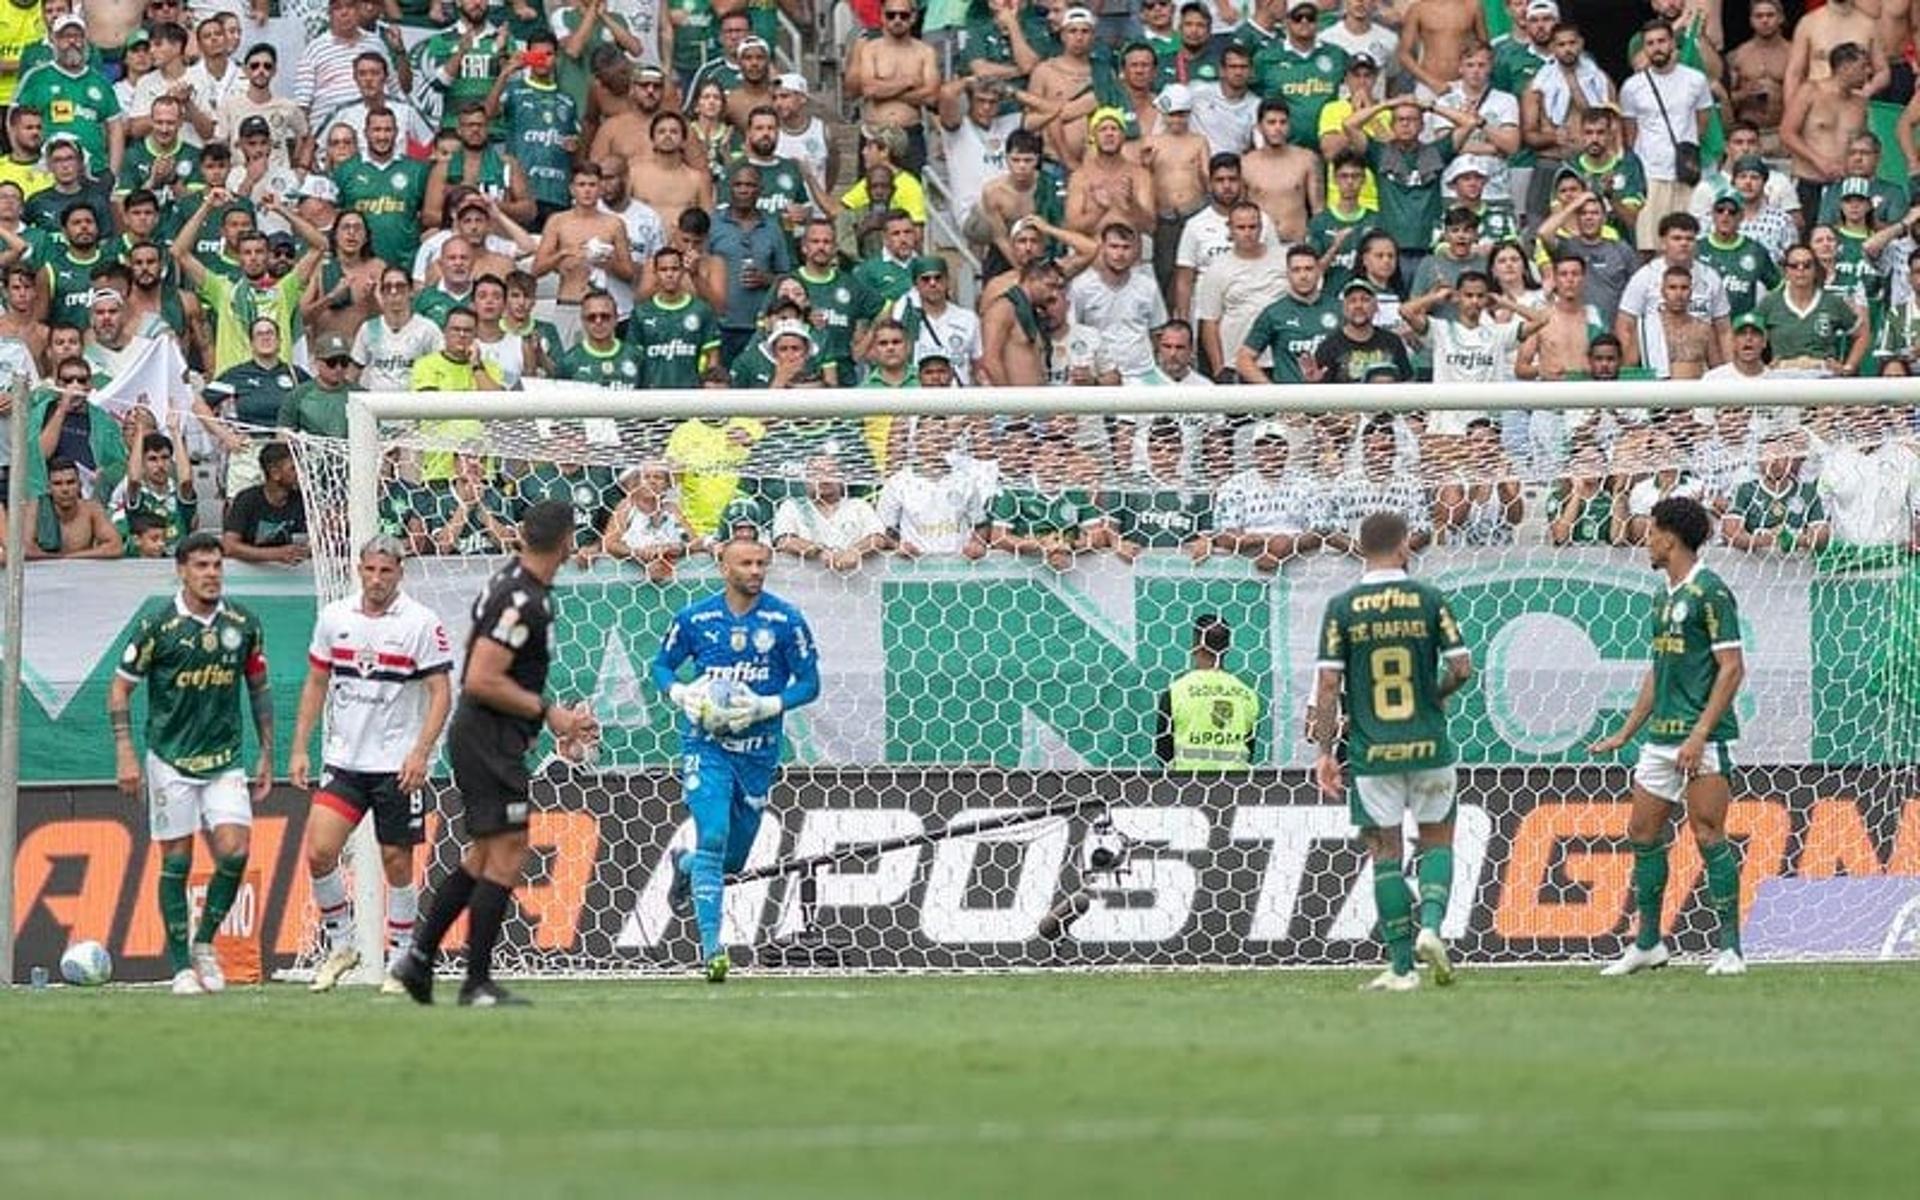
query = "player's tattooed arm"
{"x": 260, "y": 700}
{"x": 1323, "y": 719}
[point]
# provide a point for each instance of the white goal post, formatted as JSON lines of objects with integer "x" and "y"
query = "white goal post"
{"x": 1254, "y": 869}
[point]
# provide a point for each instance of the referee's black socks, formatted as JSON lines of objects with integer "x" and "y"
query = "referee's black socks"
{"x": 454, "y": 893}
{"x": 484, "y": 914}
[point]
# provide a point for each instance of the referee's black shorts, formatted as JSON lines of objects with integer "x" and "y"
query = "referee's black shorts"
{"x": 489, "y": 757}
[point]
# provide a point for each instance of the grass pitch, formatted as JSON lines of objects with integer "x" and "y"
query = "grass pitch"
{"x": 1792, "y": 1081}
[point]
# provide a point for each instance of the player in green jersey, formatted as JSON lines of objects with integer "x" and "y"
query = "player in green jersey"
{"x": 1382, "y": 646}
{"x": 1686, "y": 705}
{"x": 196, "y": 649}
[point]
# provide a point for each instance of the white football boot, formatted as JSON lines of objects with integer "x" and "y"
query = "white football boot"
{"x": 334, "y": 969}
{"x": 186, "y": 983}
{"x": 1636, "y": 960}
{"x": 1727, "y": 962}
{"x": 206, "y": 964}
{"x": 1389, "y": 981}
{"x": 1429, "y": 949}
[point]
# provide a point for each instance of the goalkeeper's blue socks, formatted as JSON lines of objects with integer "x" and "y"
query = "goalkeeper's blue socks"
{"x": 705, "y": 868}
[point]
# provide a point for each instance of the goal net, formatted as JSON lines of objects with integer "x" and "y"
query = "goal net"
{"x": 1000, "y": 600}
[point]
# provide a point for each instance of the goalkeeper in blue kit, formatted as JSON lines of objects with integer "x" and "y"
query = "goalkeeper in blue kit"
{"x": 754, "y": 661}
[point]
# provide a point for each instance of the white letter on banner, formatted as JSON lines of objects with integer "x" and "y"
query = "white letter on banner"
{"x": 1172, "y": 879}
{"x": 1471, "y": 829}
{"x": 865, "y": 883}
{"x": 945, "y": 916}
{"x": 652, "y": 918}
{"x": 1290, "y": 833}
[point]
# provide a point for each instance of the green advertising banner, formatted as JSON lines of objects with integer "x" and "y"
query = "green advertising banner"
{"x": 1009, "y": 664}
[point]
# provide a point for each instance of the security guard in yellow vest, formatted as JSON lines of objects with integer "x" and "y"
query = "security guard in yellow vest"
{"x": 1208, "y": 716}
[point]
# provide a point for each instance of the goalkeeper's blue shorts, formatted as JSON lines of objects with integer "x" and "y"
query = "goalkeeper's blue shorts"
{"x": 726, "y": 793}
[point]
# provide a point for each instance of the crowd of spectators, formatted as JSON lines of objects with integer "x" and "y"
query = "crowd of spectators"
{"x": 634, "y": 194}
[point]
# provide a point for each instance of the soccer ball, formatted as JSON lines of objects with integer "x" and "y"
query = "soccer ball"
{"x": 86, "y": 964}
{"x": 721, "y": 694}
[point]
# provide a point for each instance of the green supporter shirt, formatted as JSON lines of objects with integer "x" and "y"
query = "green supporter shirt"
{"x": 1852, "y": 269}
{"x": 439, "y": 505}
{"x": 389, "y": 197}
{"x": 1409, "y": 183}
{"x": 1162, "y": 517}
{"x": 847, "y": 303}
{"x": 434, "y": 304}
{"x": 1746, "y": 268}
{"x": 172, "y": 507}
{"x": 1028, "y": 510}
{"x": 1689, "y": 623}
{"x": 538, "y": 119}
{"x": 70, "y": 284}
{"x": 79, "y": 105}
{"x": 1307, "y": 82}
{"x": 1291, "y": 328}
{"x": 1594, "y": 525}
{"x": 314, "y": 409}
{"x": 885, "y": 279}
{"x": 1327, "y": 224}
{"x": 1386, "y": 636}
{"x": 1791, "y": 510}
{"x": 617, "y": 368}
{"x": 136, "y": 169}
{"x": 678, "y": 340}
{"x": 1822, "y": 331}
{"x": 46, "y": 211}
{"x": 472, "y": 73}
{"x": 591, "y": 490}
{"x": 572, "y": 72}
{"x": 696, "y": 35}
{"x": 196, "y": 671}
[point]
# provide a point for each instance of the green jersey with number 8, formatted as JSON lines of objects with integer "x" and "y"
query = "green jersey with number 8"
{"x": 1387, "y": 636}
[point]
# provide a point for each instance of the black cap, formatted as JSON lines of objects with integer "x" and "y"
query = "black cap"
{"x": 255, "y": 127}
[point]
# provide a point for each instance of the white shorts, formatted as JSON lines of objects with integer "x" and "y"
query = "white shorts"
{"x": 1658, "y": 773}
{"x": 180, "y": 805}
{"x": 1382, "y": 801}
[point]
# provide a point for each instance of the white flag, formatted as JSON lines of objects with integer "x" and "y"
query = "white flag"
{"x": 150, "y": 372}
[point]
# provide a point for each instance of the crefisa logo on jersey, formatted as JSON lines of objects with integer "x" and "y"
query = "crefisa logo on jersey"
{"x": 762, "y": 641}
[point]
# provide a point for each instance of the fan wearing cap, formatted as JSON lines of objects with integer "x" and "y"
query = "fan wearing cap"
{"x": 1178, "y": 158}
{"x": 1749, "y": 269}
{"x": 803, "y": 136}
{"x": 1108, "y": 188}
{"x": 289, "y": 133}
{"x": 319, "y": 406}
{"x": 76, "y": 98}
{"x": 934, "y": 323}
{"x": 1066, "y": 80}
{"x": 1775, "y": 228}
{"x": 896, "y": 77}
{"x": 1301, "y": 70}
{"x": 460, "y": 64}
{"x": 1351, "y": 353}
{"x": 1749, "y": 357}
{"x": 754, "y": 91}
{"x": 254, "y": 175}
{"x": 167, "y": 45}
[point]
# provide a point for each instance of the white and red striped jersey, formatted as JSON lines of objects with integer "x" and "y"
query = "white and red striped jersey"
{"x": 375, "y": 706}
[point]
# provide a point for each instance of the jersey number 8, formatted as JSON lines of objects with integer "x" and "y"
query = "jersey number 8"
{"x": 1392, "y": 671}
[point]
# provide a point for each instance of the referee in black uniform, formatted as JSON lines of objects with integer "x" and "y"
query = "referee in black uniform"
{"x": 499, "y": 717}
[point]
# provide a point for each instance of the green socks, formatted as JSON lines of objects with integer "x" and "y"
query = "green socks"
{"x": 220, "y": 894}
{"x": 1436, "y": 885}
{"x": 1649, "y": 889}
{"x": 173, "y": 906}
{"x": 1723, "y": 890}
{"x": 1395, "y": 901}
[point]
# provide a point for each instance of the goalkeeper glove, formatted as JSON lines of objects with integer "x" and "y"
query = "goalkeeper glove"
{"x": 751, "y": 709}
{"x": 690, "y": 700}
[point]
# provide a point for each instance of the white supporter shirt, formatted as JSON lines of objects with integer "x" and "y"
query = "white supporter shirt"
{"x": 386, "y": 355}
{"x": 1683, "y": 91}
{"x": 1375, "y": 41}
{"x": 323, "y": 79}
{"x": 374, "y": 714}
{"x": 808, "y": 147}
{"x": 1234, "y": 291}
{"x": 1641, "y": 301}
{"x": 1124, "y": 315}
{"x": 284, "y": 121}
{"x": 414, "y": 128}
{"x": 954, "y": 333}
{"x": 1870, "y": 497}
{"x": 645, "y": 234}
{"x": 210, "y": 93}
{"x": 934, "y": 514}
{"x": 1226, "y": 124}
{"x": 975, "y": 155}
{"x": 1251, "y": 503}
{"x": 851, "y": 520}
{"x": 1205, "y": 238}
{"x": 1499, "y": 109}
